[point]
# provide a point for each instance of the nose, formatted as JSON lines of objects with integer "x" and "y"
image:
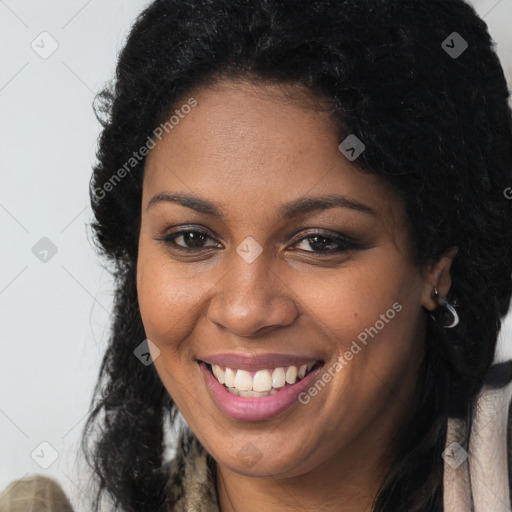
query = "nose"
{"x": 252, "y": 299}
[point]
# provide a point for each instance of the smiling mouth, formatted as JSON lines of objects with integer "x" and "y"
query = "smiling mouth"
{"x": 261, "y": 383}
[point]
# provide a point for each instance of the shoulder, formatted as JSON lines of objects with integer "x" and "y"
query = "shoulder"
{"x": 509, "y": 448}
{"x": 498, "y": 383}
{"x": 25, "y": 494}
{"x": 478, "y": 467}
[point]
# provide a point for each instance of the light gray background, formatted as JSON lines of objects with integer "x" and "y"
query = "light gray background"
{"x": 54, "y": 315}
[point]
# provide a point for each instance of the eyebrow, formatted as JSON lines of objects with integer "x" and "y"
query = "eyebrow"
{"x": 295, "y": 208}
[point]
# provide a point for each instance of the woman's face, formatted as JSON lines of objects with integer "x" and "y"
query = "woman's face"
{"x": 235, "y": 270}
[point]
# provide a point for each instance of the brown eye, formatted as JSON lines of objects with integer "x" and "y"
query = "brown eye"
{"x": 188, "y": 240}
{"x": 320, "y": 243}
{"x": 328, "y": 244}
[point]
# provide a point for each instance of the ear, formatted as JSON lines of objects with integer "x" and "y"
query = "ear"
{"x": 437, "y": 274}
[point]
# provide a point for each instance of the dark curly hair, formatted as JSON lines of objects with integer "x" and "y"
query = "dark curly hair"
{"x": 437, "y": 128}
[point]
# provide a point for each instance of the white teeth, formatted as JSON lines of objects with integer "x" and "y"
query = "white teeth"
{"x": 243, "y": 381}
{"x": 254, "y": 394}
{"x": 278, "y": 378}
{"x": 291, "y": 374}
{"x": 262, "y": 381}
{"x": 217, "y": 371}
{"x": 265, "y": 382}
{"x": 229, "y": 376}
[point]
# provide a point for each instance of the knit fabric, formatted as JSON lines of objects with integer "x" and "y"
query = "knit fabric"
{"x": 478, "y": 476}
{"x": 36, "y": 493}
{"x": 191, "y": 484}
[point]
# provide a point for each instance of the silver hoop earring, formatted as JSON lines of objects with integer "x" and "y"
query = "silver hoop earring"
{"x": 448, "y": 308}
{"x": 455, "y": 316}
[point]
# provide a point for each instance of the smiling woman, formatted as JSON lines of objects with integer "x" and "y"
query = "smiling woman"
{"x": 316, "y": 259}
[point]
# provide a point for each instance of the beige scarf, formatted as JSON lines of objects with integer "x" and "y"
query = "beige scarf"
{"x": 478, "y": 480}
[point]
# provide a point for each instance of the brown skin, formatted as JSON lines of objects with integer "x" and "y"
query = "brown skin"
{"x": 248, "y": 149}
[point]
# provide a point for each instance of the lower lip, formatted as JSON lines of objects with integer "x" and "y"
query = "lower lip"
{"x": 255, "y": 409}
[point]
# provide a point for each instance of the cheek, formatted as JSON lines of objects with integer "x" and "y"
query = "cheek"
{"x": 168, "y": 306}
{"x": 373, "y": 320}
{"x": 375, "y": 290}
{"x": 167, "y": 303}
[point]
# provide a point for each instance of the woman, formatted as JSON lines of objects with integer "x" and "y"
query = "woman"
{"x": 304, "y": 206}
{"x": 320, "y": 179}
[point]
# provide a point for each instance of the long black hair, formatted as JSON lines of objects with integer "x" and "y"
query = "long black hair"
{"x": 419, "y": 82}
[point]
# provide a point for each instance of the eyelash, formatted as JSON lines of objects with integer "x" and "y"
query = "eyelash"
{"x": 345, "y": 244}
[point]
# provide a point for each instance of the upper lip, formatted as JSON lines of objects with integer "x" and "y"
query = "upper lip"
{"x": 257, "y": 362}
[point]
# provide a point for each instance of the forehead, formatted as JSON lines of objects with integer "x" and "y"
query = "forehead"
{"x": 249, "y": 146}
